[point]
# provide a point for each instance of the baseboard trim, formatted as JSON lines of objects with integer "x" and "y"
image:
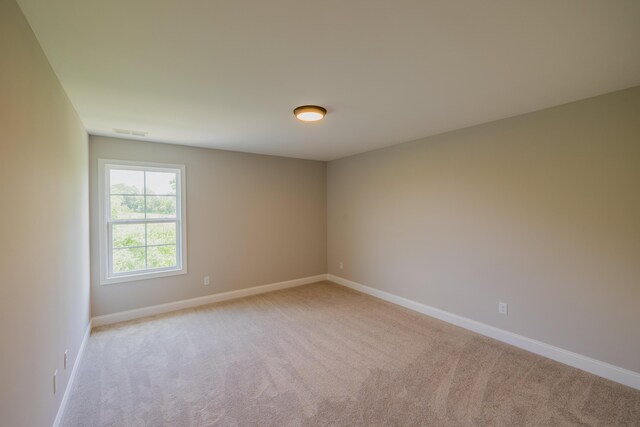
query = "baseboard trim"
{"x": 588, "y": 364}
{"x": 195, "y": 302}
{"x": 596, "y": 367}
{"x": 72, "y": 377}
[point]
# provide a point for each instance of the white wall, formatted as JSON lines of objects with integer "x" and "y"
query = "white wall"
{"x": 251, "y": 220}
{"x": 541, "y": 211}
{"x": 44, "y": 232}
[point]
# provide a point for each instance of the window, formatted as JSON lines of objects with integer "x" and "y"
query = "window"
{"x": 142, "y": 220}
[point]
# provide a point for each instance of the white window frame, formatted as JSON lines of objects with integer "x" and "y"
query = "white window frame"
{"x": 105, "y": 225}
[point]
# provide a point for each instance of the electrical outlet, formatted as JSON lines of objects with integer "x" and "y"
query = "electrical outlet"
{"x": 206, "y": 281}
{"x": 55, "y": 374}
{"x": 503, "y": 308}
{"x": 341, "y": 265}
{"x": 66, "y": 358}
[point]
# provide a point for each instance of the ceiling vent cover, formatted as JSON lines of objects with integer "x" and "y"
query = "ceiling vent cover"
{"x": 130, "y": 132}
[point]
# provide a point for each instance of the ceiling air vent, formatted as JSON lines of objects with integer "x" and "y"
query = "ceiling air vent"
{"x": 130, "y": 132}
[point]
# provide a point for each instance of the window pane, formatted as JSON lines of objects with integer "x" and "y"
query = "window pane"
{"x": 161, "y": 206}
{"x": 127, "y": 235}
{"x": 161, "y": 233}
{"x": 126, "y": 181}
{"x": 161, "y": 256}
{"x": 127, "y": 207}
{"x": 161, "y": 183}
{"x": 128, "y": 259}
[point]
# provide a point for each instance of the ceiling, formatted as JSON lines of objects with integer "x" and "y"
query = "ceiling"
{"x": 227, "y": 74}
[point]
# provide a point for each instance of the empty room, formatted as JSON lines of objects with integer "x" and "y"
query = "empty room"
{"x": 342, "y": 213}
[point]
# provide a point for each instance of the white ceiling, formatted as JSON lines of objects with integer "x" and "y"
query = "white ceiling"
{"x": 227, "y": 74}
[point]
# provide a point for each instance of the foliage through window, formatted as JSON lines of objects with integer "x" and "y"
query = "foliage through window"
{"x": 142, "y": 220}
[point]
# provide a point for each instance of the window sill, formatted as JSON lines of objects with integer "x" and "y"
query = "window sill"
{"x": 141, "y": 276}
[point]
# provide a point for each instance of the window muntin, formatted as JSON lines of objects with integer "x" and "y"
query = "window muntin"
{"x": 142, "y": 220}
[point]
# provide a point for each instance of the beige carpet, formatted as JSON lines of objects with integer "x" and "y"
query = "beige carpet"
{"x": 324, "y": 355}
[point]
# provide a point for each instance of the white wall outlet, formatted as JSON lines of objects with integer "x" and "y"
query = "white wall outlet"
{"x": 206, "y": 281}
{"x": 55, "y": 374}
{"x": 66, "y": 358}
{"x": 503, "y": 308}
{"x": 341, "y": 265}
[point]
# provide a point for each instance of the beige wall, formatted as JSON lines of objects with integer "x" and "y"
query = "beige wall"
{"x": 541, "y": 211}
{"x": 44, "y": 243}
{"x": 251, "y": 220}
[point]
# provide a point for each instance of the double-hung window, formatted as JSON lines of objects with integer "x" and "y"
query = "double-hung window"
{"x": 142, "y": 220}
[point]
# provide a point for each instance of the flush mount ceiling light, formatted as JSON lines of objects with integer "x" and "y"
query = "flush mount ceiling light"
{"x": 309, "y": 113}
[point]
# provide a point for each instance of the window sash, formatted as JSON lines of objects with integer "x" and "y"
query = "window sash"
{"x": 110, "y": 247}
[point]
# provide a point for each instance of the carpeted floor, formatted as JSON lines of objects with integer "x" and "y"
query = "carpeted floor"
{"x": 322, "y": 355}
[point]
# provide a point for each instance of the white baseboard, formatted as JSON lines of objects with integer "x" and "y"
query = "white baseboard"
{"x": 194, "y": 302}
{"x": 596, "y": 367}
{"x": 72, "y": 377}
